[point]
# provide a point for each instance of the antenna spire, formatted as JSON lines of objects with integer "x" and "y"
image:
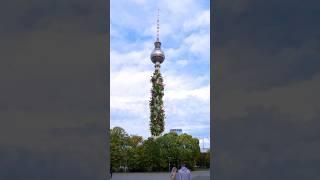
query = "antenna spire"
{"x": 158, "y": 25}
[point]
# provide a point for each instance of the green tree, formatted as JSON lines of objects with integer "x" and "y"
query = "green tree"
{"x": 151, "y": 155}
{"x": 189, "y": 150}
{"x": 169, "y": 150}
{"x": 135, "y": 153}
{"x": 118, "y": 147}
{"x": 157, "y": 114}
{"x": 207, "y": 159}
{"x": 204, "y": 159}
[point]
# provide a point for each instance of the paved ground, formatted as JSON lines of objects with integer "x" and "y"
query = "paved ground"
{"x": 196, "y": 175}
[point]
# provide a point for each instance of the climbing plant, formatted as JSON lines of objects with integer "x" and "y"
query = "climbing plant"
{"x": 157, "y": 114}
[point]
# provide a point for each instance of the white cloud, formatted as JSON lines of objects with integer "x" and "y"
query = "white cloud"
{"x": 199, "y": 43}
{"x": 181, "y": 8}
{"x": 140, "y": 2}
{"x": 182, "y": 62}
{"x": 203, "y": 19}
{"x": 202, "y": 93}
{"x": 133, "y": 126}
{"x": 128, "y": 91}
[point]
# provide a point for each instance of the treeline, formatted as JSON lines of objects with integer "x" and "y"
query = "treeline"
{"x": 134, "y": 154}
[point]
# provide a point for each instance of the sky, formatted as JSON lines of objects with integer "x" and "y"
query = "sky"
{"x": 185, "y": 37}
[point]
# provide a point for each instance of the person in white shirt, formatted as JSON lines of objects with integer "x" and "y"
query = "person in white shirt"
{"x": 184, "y": 173}
{"x": 174, "y": 174}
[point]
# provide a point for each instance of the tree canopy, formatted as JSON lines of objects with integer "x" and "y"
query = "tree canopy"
{"x": 136, "y": 154}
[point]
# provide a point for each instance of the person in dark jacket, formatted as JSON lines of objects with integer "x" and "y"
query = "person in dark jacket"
{"x": 110, "y": 172}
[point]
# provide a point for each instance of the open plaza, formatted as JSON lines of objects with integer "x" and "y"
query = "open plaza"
{"x": 196, "y": 175}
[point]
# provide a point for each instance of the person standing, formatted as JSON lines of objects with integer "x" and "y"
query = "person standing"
{"x": 174, "y": 174}
{"x": 184, "y": 173}
{"x": 110, "y": 172}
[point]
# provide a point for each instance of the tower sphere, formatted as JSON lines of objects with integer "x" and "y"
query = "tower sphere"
{"x": 157, "y": 54}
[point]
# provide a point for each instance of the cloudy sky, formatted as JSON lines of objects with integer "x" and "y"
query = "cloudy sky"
{"x": 185, "y": 37}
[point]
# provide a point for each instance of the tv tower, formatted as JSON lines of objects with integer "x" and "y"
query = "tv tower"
{"x": 157, "y": 115}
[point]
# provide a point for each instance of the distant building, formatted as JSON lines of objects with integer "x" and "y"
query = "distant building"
{"x": 178, "y": 131}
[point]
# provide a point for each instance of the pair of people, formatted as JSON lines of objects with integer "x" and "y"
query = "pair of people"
{"x": 182, "y": 174}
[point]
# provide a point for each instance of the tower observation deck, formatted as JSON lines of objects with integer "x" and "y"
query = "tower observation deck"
{"x": 157, "y": 55}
